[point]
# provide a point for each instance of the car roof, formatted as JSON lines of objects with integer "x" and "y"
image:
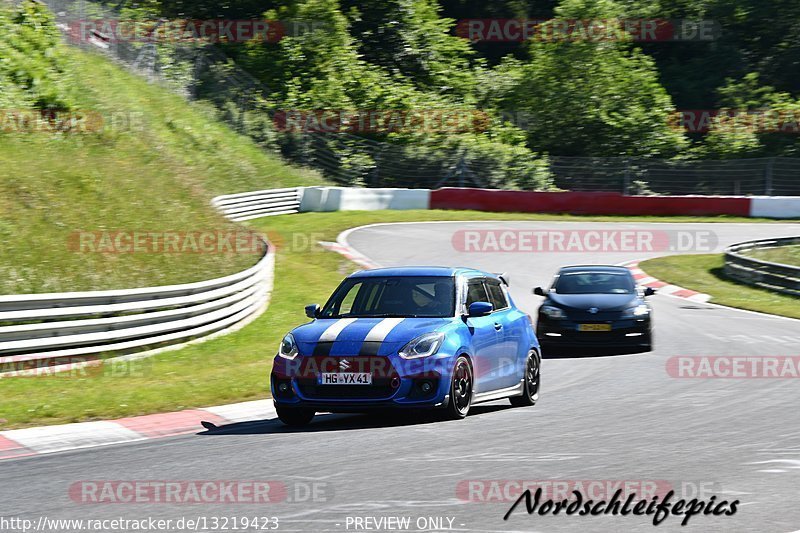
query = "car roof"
{"x": 436, "y": 271}
{"x": 594, "y": 268}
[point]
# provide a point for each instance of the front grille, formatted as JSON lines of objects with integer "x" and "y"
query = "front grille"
{"x": 383, "y": 374}
{"x": 311, "y": 389}
{"x": 601, "y": 316}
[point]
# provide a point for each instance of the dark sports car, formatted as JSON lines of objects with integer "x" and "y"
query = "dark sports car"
{"x": 594, "y": 306}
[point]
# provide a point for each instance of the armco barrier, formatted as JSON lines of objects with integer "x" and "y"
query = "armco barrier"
{"x": 55, "y": 329}
{"x": 764, "y": 274}
{"x": 587, "y": 203}
{"x": 249, "y": 205}
{"x": 775, "y": 206}
{"x": 355, "y": 199}
{"x": 256, "y": 204}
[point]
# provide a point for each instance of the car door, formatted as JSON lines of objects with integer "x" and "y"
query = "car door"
{"x": 507, "y": 323}
{"x": 484, "y": 338}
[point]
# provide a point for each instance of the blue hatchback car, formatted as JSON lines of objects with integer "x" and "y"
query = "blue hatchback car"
{"x": 408, "y": 337}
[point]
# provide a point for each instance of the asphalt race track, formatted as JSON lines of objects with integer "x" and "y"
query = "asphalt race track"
{"x": 611, "y": 417}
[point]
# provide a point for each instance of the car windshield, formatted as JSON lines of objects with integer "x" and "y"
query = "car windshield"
{"x": 392, "y": 296}
{"x": 594, "y": 283}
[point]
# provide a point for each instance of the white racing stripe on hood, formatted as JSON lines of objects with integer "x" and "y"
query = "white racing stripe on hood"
{"x": 382, "y": 329}
{"x": 330, "y": 334}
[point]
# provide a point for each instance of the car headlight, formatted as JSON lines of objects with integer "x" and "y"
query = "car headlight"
{"x": 639, "y": 310}
{"x": 288, "y": 349}
{"x": 423, "y": 346}
{"x": 553, "y": 312}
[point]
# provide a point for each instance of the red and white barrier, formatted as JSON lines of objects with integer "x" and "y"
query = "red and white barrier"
{"x": 588, "y": 203}
{"x": 245, "y": 206}
{"x": 775, "y": 206}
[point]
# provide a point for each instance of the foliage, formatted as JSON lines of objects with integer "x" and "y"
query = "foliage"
{"x": 569, "y": 97}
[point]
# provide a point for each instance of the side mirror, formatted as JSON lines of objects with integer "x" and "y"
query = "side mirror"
{"x": 538, "y": 291}
{"x": 649, "y": 291}
{"x": 312, "y": 311}
{"x": 477, "y": 309}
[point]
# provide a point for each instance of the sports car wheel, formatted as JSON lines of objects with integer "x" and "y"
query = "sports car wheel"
{"x": 294, "y": 416}
{"x": 460, "y": 389}
{"x": 647, "y": 344}
{"x": 530, "y": 390}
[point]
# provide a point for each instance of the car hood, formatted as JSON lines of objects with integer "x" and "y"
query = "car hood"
{"x": 377, "y": 336}
{"x": 603, "y": 302}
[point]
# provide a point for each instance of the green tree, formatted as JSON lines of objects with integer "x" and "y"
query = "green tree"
{"x": 756, "y": 121}
{"x": 588, "y": 97}
{"x": 409, "y": 38}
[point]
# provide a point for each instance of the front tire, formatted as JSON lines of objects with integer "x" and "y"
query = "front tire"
{"x": 530, "y": 389}
{"x": 647, "y": 345}
{"x": 294, "y": 416}
{"x": 460, "y": 390}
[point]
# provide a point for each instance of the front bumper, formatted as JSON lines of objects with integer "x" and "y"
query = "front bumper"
{"x": 396, "y": 382}
{"x": 625, "y": 332}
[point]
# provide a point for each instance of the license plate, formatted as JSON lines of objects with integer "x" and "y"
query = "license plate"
{"x": 346, "y": 378}
{"x": 594, "y": 327}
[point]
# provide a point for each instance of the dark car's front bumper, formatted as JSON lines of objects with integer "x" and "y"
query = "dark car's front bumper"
{"x": 624, "y": 332}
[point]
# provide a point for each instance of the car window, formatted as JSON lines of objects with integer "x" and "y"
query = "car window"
{"x": 476, "y": 292}
{"x": 425, "y": 294}
{"x": 395, "y": 296}
{"x": 346, "y": 303}
{"x": 496, "y": 295}
{"x": 587, "y": 282}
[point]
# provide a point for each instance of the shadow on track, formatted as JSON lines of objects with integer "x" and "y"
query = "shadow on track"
{"x": 342, "y": 422}
{"x": 581, "y": 352}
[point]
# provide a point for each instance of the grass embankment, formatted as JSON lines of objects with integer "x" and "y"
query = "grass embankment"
{"x": 235, "y": 367}
{"x": 154, "y": 166}
{"x": 704, "y": 273}
{"x": 786, "y": 255}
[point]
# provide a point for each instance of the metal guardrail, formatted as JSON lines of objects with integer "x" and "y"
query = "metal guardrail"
{"x": 50, "y": 331}
{"x": 765, "y": 274}
{"x": 256, "y": 204}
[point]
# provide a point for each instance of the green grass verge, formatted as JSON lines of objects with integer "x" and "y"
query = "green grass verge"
{"x": 235, "y": 367}
{"x": 787, "y": 255}
{"x": 157, "y": 175}
{"x": 704, "y": 273}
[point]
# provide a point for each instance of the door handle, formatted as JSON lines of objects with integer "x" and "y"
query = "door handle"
{"x": 498, "y": 326}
